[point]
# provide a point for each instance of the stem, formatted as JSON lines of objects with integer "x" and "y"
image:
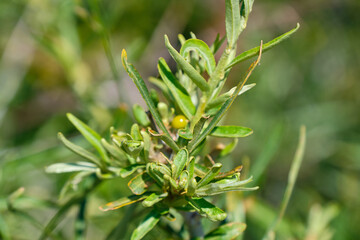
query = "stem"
{"x": 193, "y": 223}
{"x": 80, "y": 224}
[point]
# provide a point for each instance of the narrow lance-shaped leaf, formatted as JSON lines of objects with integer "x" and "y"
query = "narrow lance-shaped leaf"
{"x": 146, "y": 225}
{"x": 90, "y": 135}
{"x": 231, "y": 131}
{"x": 207, "y": 209}
{"x": 123, "y": 202}
{"x": 154, "y": 198}
{"x": 226, "y": 231}
{"x": 180, "y": 94}
{"x": 80, "y": 151}
{"x": 210, "y": 175}
{"x": 187, "y": 68}
{"x": 267, "y": 46}
{"x": 71, "y": 167}
{"x": 114, "y": 151}
{"x": 203, "y": 49}
{"x": 224, "y": 186}
{"x": 196, "y": 141}
{"x": 222, "y": 98}
{"x": 179, "y": 163}
{"x": 140, "y": 84}
{"x": 245, "y": 10}
{"x": 232, "y": 21}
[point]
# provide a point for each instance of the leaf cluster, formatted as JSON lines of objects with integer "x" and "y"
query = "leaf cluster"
{"x": 167, "y": 169}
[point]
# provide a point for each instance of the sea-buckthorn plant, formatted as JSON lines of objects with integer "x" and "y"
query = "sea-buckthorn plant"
{"x": 164, "y": 152}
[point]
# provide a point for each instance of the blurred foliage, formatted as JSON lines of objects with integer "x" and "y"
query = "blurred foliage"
{"x": 63, "y": 56}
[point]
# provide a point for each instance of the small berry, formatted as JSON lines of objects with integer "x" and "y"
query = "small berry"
{"x": 179, "y": 122}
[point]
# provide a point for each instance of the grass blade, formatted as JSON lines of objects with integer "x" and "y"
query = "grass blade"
{"x": 294, "y": 170}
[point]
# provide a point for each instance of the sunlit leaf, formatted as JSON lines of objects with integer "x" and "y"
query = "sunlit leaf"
{"x": 210, "y": 175}
{"x": 179, "y": 163}
{"x": 140, "y": 115}
{"x": 71, "y": 167}
{"x": 187, "y": 68}
{"x": 154, "y": 198}
{"x": 80, "y": 151}
{"x": 123, "y": 202}
{"x": 139, "y": 184}
{"x": 140, "y": 84}
{"x": 204, "y": 51}
{"x": 182, "y": 97}
{"x": 267, "y": 46}
{"x": 226, "y": 231}
{"x": 231, "y": 131}
{"x": 90, "y": 135}
{"x": 207, "y": 209}
{"x": 146, "y": 225}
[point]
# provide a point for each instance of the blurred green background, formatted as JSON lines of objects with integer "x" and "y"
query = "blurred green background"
{"x": 63, "y": 56}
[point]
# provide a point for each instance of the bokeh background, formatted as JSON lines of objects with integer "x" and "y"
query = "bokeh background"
{"x": 62, "y": 56}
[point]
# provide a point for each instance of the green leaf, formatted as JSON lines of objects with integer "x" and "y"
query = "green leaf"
{"x": 199, "y": 126}
{"x": 228, "y": 148}
{"x": 164, "y": 89}
{"x": 267, "y": 46}
{"x": 154, "y": 198}
{"x": 125, "y": 172}
{"x": 217, "y": 102}
{"x": 203, "y": 49}
{"x": 140, "y": 115}
{"x": 146, "y": 225}
{"x": 210, "y": 175}
{"x": 215, "y": 120}
{"x": 231, "y": 131}
{"x": 179, "y": 163}
{"x": 90, "y": 135}
{"x": 226, "y": 231}
{"x": 223, "y": 186}
{"x": 207, "y": 209}
{"x": 147, "y": 145}
{"x": 71, "y": 167}
{"x": 116, "y": 152}
{"x": 217, "y": 43}
{"x": 166, "y": 139}
{"x": 139, "y": 184}
{"x": 180, "y": 94}
{"x": 123, "y": 202}
{"x": 133, "y": 147}
{"x": 135, "y": 132}
{"x": 185, "y": 133}
{"x": 154, "y": 173}
{"x": 140, "y": 84}
{"x": 187, "y": 68}
{"x": 232, "y": 21}
{"x": 80, "y": 151}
